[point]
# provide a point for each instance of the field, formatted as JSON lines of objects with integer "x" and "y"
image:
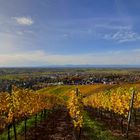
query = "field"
{"x": 72, "y": 112}
{"x": 69, "y": 103}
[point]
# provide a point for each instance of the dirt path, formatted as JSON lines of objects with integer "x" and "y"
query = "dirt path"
{"x": 58, "y": 126}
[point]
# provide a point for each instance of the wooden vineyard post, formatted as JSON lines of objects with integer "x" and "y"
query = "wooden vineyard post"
{"x": 35, "y": 120}
{"x": 9, "y": 126}
{"x": 14, "y": 126}
{"x": 41, "y": 116}
{"x": 9, "y": 90}
{"x": 35, "y": 126}
{"x": 45, "y": 114}
{"x": 77, "y": 92}
{"x": 130, "y": 112}
{"x": 25, "y": 128}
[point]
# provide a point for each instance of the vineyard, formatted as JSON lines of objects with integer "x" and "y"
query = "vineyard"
{"x": 80, "y": 108}
{"x": 21, "y": 104}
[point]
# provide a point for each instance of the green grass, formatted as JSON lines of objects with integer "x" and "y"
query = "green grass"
{"x": 60, "y": 91}
{"x": 57, "y": 89}
{"x": 96, "y": 130}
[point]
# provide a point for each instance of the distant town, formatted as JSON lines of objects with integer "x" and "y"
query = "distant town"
{"x": 37, "y": 78}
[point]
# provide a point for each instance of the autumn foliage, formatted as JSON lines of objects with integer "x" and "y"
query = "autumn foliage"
{"x": 115, "y": 100}
{"x": 23, "y": 103}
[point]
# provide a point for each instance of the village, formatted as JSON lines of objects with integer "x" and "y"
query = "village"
{"x": 36, "y": 82}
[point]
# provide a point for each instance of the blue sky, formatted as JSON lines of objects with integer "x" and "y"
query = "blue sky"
{"x": 60, "y": 32}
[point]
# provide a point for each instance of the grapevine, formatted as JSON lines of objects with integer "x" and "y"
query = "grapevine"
{"x": 75, "y": 107}
{"x": 115, "y": 100}
{"x": 24, "y": 103}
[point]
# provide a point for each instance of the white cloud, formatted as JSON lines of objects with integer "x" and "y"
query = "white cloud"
{"x": 113, "y": 27}
{"x": 19, "y": 33}
{"x": 23, "y": 32}
{"x": 136, "y": 50}
{"x": 122, "y": 36}
{"x": 24, "y": 20}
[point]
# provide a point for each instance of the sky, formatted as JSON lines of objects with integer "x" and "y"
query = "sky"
{"x": 69, "y": 32}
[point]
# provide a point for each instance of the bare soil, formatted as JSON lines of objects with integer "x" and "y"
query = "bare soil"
{"x": 58, "y": 126}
